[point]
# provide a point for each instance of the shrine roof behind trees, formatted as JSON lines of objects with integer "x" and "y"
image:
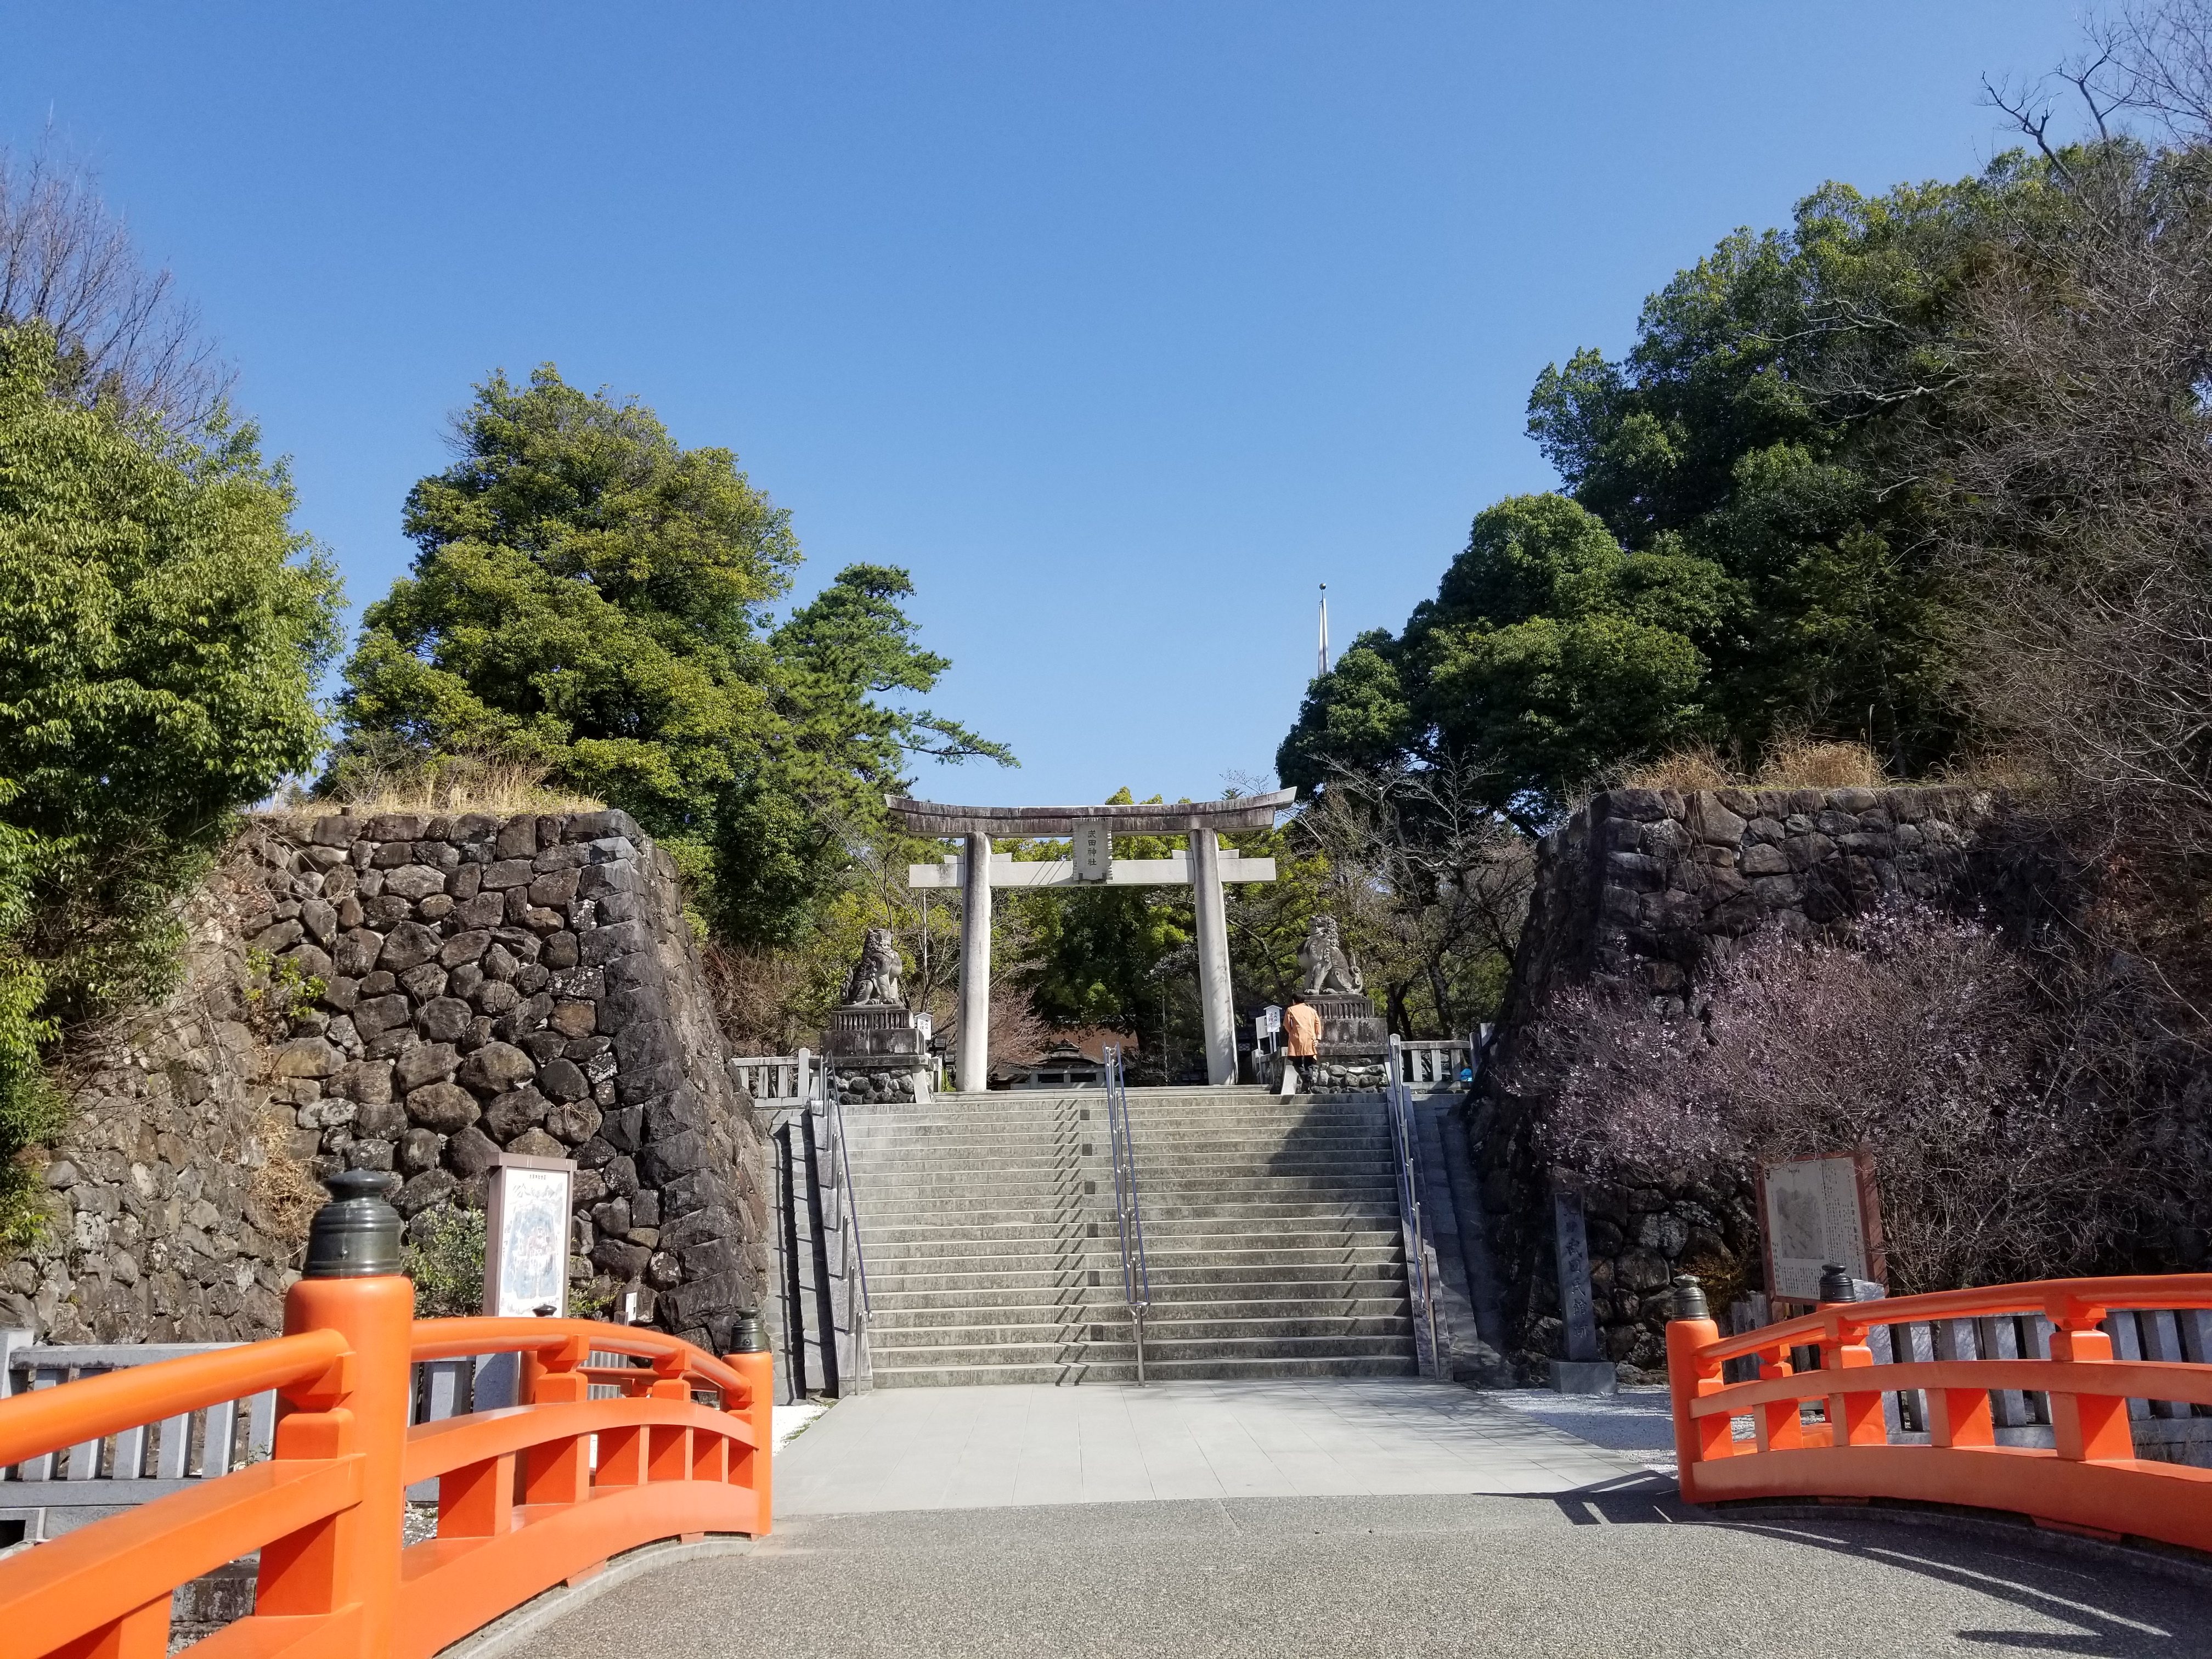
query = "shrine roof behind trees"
{"x": 923, "y": 818}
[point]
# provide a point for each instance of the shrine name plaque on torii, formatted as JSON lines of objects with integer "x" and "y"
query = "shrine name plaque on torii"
{"x": 1091, "y": 829}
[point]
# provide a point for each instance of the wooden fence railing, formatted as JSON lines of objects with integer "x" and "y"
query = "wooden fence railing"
{"x": 2090, "y": 1477}
{"x": 527, "y": 1496}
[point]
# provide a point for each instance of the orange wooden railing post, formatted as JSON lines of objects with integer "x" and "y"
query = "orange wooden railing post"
{"x": 353, "y": 1285}
{"x": 754, "y": 1466}
{"x": 1781, "y": 1425}
{"x": 559, "y": 1471}
{"x": 1689, "y": 1375}
{"x": 2086, "y": 1428}
{"x": 1854, "y": 1418}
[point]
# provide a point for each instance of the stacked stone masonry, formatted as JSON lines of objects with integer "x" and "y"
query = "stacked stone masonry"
{"x": 526, "y": 985}
{"x": 1642, "y": 890}
{"x": 870, "y": 1085}
{"x": 159, "y": 1227}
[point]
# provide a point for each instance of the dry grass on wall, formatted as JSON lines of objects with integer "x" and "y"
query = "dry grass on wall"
{"x": 284, "y": 1194}
{"x": 500, "y": 788}
{"x": 1791, "y": 761}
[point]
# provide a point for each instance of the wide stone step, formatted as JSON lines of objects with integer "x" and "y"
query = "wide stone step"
{"x": 1164, "y": 1264}
{"x": 1052, "y": 1133}
{"x": 1225, "y": 1162}
{"x": 1167, "y": 1238}
{"x": 1164, "y": 1148}
{"x": 1093, "y": 1111}
{"x": 1309, "y": 1188}
{"x": 919, "y": 1225}
{"x": 1163, "y": 1330}
{"x": 886, "y": 1314}
{"x": 1067, "y": 1374}
{"x": 1385, "y": 1275}
{"x": 1120, "y": 1347}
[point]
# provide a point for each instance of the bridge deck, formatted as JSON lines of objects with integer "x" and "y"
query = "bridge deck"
{"x": 1528, "y": 1578}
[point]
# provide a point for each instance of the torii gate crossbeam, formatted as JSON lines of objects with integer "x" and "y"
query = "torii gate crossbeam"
{"x": 977, "y": 870}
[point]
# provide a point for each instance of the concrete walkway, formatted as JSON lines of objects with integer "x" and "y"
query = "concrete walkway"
{"x": 976, "y": 1448}
{"x": 1517, "y": 1577}
{"x": 1219, "y": 1521}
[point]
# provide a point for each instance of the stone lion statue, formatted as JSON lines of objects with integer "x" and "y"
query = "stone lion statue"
{"x": 875, "y": 976}
{"x": 1322, "y": 965}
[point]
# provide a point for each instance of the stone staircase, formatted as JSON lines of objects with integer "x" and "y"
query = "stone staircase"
{"x": 1271, "y": 1225}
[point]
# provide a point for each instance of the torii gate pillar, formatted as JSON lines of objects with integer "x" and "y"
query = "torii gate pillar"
{"x": 1213, "y": 998}
{"x": 973, "y": 1072}
{"x": 977, "y": 870}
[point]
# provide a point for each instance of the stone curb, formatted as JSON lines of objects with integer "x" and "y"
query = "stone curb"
{"x": 507, "y": 1633}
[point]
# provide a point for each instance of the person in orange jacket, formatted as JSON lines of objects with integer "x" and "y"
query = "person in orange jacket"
{"x": 1302, "y": 1037}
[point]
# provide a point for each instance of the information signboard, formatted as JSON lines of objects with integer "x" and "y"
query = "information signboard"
{"x": 526, "y": 1228}
{"x": 1814, "y": 1211}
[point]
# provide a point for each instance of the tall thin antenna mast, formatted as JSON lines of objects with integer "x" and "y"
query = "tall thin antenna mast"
{"x": 1323, "y": 657}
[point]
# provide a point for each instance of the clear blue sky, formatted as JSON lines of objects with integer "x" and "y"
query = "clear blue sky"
{"x": 1120, "y": 325}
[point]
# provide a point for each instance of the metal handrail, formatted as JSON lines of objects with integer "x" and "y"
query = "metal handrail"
{"x": 1398, "y": 1100}
{"x": 863, "y": 1310}
{"x": 1128, "y": 1218}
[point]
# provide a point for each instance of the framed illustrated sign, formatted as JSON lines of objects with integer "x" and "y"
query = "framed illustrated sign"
{"x": 526, "y": 1229}
{"x": 1814, "y": 1210}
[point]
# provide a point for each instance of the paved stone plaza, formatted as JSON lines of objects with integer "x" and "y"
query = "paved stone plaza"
{"x": 985, "y": 1447}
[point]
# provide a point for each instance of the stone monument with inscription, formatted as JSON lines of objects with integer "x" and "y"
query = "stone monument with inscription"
{"x": 1352, "y": 1041}
{"x": 1584, "y": 1369}
{"x": 877, "y": 1049}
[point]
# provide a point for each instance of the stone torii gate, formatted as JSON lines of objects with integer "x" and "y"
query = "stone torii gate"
{"x": 978, "y": 870}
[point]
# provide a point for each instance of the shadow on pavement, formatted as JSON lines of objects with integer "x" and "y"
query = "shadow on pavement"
{"x": 2005, "y": 1564}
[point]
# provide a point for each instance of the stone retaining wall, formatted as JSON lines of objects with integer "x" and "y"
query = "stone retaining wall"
{"x": 527, "y": 985}
{"x": 162, "y": 1222}
{"x": 1641, "y": 891}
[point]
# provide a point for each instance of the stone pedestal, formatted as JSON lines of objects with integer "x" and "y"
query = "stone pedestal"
{"x": 1584, "y": 1376}
{"x": 876, "y": 1052}
{"x": 1352, "y": 1045}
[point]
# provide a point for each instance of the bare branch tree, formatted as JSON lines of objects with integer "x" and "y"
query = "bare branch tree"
{"x": 1427, "y": 881}
{"x": 1924, "y": 1037}
{"x": 67, "y": 263}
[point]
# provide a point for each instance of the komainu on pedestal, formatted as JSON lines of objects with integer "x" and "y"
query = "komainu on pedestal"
{"x": 876, "y": 1048}
{"x": 1353, "y": 1040}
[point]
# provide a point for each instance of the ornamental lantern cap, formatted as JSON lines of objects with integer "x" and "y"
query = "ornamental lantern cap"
{"x": 356, "y": 1234}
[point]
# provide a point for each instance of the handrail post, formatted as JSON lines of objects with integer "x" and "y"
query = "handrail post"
{"x": 1854, "y": 1417}
{"x": 2086, "y": 1428}
{"x": 1398, "y": 1105}
{"x": 857, "y": 1305}
{"x": 1689, "y": 1375}
{"x": 1129, "y": 1215}
{"x": 353, "y": 1285}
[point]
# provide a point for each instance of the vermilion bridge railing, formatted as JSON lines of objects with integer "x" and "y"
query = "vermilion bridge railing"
{"x": 522, "y": 1503}
{"x": 2090, "y": 1478}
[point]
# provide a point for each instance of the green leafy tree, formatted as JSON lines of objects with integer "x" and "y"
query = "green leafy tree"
{"x": 165, "y": 628}
{"x": 592, "y": 596}
{"x": 1748, "y": 542}
{"x": 1547, "y": 649}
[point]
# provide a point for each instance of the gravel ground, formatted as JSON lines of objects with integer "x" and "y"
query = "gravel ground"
{"x": 1571, "y": 1577}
